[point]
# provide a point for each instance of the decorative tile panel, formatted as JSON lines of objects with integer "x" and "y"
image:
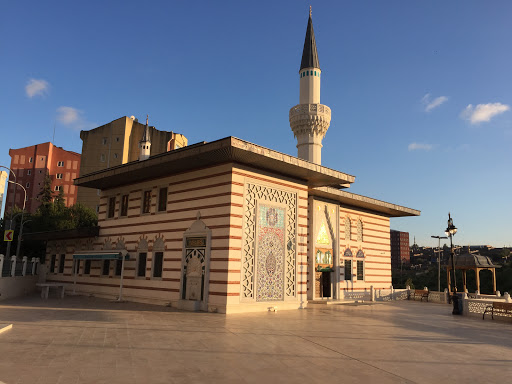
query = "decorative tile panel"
{"x": 285, "y": 217}
{"x": 271, "y": 253}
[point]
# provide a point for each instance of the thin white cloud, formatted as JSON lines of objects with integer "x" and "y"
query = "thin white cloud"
{"x": 37, "y": 87}
{"x": 419, "y": 146}
{"x": 483, "y": 112}
{"x": 68, "y": 115}
{"x": 431, "y": 104}
{"x": 73, "y": 118}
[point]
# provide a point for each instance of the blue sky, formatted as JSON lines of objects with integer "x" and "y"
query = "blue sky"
{"x": 420, "y": 92}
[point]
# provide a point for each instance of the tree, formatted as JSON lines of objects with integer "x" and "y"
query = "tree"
{"x": 505, "y": 253}
{"x": 82, "y": 216}
{"x": 45, "y": 197}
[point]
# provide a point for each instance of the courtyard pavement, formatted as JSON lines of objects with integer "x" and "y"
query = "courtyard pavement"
{"x": 90, "y": 340}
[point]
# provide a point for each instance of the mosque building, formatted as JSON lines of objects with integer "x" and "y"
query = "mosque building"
{"x": 230, "y": 226}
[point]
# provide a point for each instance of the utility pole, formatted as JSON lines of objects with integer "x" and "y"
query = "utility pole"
{"x": 439, "y": 261}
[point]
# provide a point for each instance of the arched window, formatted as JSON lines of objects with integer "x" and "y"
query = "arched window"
{"x": 142, "y": 256}
{"x": 348, "y": 228}
{"x": 360, "y": 265}
{"x": 348, "y": 264}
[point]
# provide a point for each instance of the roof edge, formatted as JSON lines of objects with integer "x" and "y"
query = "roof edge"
{"x": 349, "y": 198}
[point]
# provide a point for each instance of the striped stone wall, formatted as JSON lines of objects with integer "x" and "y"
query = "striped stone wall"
{"x": 373, "y": 241}
{"x": 219, "y": 194}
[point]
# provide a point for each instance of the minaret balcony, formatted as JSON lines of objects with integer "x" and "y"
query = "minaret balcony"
{"x": 310, "y": 109}
{"x": 310, "y": 118}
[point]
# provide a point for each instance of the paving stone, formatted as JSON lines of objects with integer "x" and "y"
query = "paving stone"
{"x": 89, "y": 340}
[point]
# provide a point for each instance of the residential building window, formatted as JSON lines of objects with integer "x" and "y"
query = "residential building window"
{"x": 76, "y": 266}
{"x": 59, "y": 175}
{"x": 106, "y": 267}
{"x": 162, "y": 199}
{"x": 117, "y": 139}
{"x": 59, "y": 163}
{"x": 87, "y": 267}
{"x": 52, "y": 263}
{"x": 29, "y": 172}
{"x": 104, "y": 141}
{"x": 102, "y": 157}
{"x": 348, "y": 269}
{"x": 141, "y": 265}
{"x": 111, "y": 207}
{"x": 58, "y": 187}
{"x": 360, "y": 270}
{"x": 30, "y": 160}
{"x": 27, "y": 185}
{"x": 124, "y": 205}
{"x": 61, "y": 263}
{"x": 115, "y": 155}
{"x": 146, "y": 204}
{"x": 158, "y": 258}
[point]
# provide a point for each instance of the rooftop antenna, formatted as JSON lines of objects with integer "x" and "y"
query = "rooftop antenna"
{"x": 53, "y": 138}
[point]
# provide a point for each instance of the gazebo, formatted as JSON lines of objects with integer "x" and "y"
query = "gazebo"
{"x": 472, "y": 262}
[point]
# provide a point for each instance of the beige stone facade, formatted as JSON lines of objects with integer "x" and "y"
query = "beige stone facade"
{"x": 231, "y": 227}
{"x": 117, "y": 143}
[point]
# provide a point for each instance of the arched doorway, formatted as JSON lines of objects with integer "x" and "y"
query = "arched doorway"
{"x": 195, "y": 267}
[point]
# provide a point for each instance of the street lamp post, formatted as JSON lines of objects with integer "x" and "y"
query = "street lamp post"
{"x": 8, "y": 250}
{"x": 450, "y": 231}
{"x": 439, "y": 261}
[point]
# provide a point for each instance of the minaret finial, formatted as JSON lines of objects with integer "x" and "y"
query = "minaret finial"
{"x": 147, "y": 119}
{"x": 310, "y": 11}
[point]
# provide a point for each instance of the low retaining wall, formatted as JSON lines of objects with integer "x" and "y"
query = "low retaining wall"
{"x": 11, "y": 287}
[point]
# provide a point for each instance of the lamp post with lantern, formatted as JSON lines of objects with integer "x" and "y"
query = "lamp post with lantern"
{"x": 450, "y": 231}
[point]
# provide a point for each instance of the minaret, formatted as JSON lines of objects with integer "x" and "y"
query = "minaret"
{"x": 310, "y": 120}
{"x": 145, "y": 143}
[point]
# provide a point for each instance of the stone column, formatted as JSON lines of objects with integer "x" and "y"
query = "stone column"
{"x": 33, "y": 266}
{"x": 477, "y": 275}
{"x": 13, "y": 265}
{"x": 24, "y": 271}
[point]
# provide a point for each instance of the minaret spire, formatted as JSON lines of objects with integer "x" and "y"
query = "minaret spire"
{"x": 309, "y": 119}
{"x": 145, "y": 142}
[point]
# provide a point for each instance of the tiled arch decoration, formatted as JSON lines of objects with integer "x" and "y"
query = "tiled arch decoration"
{"x": 266, "y": 195}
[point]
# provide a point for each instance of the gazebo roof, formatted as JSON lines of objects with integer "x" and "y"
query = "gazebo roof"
{"x": 470, "y": 261}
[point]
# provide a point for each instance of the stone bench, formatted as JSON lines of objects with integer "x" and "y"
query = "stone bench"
{"x": 422, "y": 293}
{"x": 45, "y": 289}
{"x": 499, "y": 308}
